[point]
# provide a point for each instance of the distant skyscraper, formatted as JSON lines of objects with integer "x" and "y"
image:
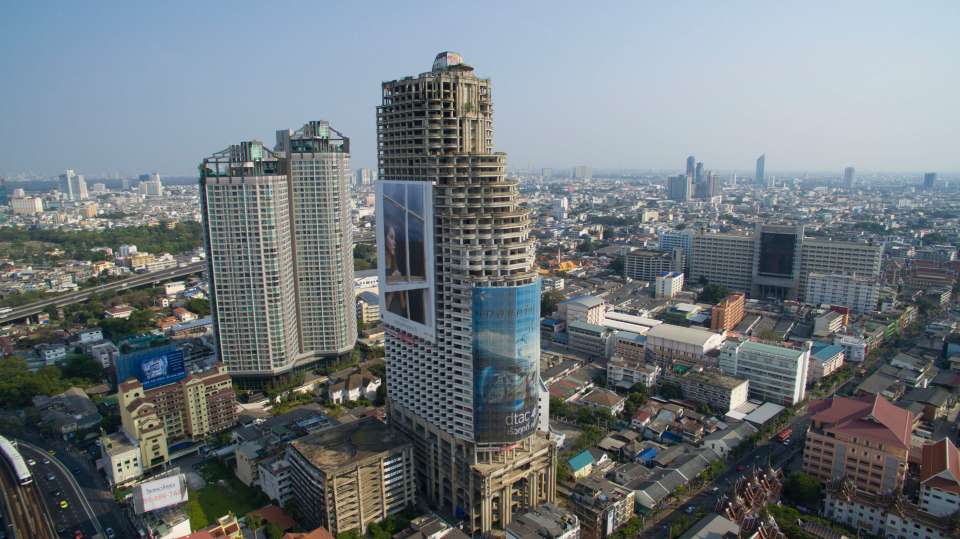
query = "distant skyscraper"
{"x": 698, "y": 173}
{"x": 679, "y": 187}
{"x": 849, "y": 177}
{"x": 546, "y": 173}
{"x": 4, "y": 193}
{"x": 691, "y": 164}
{"x": 280, "y": 252}
{"x": 582, "y": 172}
{"x": 73, "y": 185}
{"x": 929, "y": 180}
{"x": 364, "y": 177}
{"x": 460, "y": 301}
{"x": 759, "y": 177}
{"x": 150, "y": 185}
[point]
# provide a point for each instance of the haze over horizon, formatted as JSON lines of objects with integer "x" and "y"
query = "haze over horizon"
{"x": 124, "y": 88}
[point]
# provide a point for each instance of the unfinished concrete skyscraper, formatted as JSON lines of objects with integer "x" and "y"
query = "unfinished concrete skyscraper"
{"x": 460, "y": 299}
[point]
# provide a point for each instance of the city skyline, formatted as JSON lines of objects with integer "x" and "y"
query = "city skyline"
{"x": 801, "y": 98}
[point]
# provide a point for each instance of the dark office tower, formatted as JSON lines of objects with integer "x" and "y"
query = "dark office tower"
{"x": 711, "y": 185}
{"x": 4, "y": 193}
{"x": 460, "y": 301}
{"x": 929, "y": 180}
{"x": 759, "y": 177}
{"x": 849, "y": 177}
{"x": 679, "y": 188}
{"x": 691, "y": 164}
{"x": 698, "y": 172}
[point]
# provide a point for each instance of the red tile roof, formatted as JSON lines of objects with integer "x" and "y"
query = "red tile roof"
{"x": 319, "y": 533}
{"x": 274, "y": 515}
{"x": 940, "y": 467}
{"x": 874, "y": 417}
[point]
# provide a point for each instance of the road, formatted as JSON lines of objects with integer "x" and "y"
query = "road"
{"x": 83, "y": 474}
{"x": 57, "y": 485}
{"x": 23, "y": 506}
{"x": 69, "y": 298}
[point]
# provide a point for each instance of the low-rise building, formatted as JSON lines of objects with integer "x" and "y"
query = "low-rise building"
{"x": 728, "y": 313}
{"x": 828, "y": 323}
{"x": 368, "y": 307}
{"x": 588, "y": 339}
{"x": 721, "y": 392}
{"x": 669, "y": 343}
{"x": 668, "y": 284}
{"x": 352, "y": 475}
{"x": 940, "y": 478}
{"x": 546, "y": 521}
{"x": 825, "y": 359}
{"x": 625, "y": 373}
{"x": 51, "y": 354}
{"x": 120, "y": 458}
{"x": 601, "y": 506}
{"x": 590, "y": 309}
{"x": 604, "y": 399}
{"x": 882, "y": 515}
{"x": 359, "y": 385}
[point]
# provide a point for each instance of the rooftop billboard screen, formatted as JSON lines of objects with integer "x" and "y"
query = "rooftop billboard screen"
{"x": 506, "y": 362}
{"x": 153, "y": 368}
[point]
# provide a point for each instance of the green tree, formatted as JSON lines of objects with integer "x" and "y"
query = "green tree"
{"x": 712, "y": 293}
{"x": 670, "y": 391}
{"x": 617, "y": 266}
{"x": 198, "y": 306}
{"x": 83, "y": 366}
{"x": 803, "y": 489}
{"x": 549, "y": 301}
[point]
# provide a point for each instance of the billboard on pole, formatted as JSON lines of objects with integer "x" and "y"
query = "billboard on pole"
{"x": 506, "y": 362}
{"x": 160, "y": 493}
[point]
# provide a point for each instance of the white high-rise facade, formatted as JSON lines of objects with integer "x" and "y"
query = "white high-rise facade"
{"x": 74, "y": 186}
{"x": 776, "y": 374}
{"x": 859, "y": 293}
{"x": 460, "y": 300}
{"x": 150, "y": 185}
{"x": 279, "y": 246}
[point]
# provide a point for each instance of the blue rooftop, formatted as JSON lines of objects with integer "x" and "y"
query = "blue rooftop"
{"x": 824, "y": 351}
{"x": 580, "y": 461}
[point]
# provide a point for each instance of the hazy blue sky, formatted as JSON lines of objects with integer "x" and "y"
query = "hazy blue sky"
{"x": 129, "y": 87}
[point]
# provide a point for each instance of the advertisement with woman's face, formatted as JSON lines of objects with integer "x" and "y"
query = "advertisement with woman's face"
{"x": 404, "y": 236}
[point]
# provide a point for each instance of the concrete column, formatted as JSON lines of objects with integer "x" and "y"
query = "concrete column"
{"x": 506, "y": 505}
{"x": 486, "y": 510}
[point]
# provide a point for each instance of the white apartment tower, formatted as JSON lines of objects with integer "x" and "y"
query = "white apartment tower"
{"x": 460, "y": 300}
{"x": 279, "y": 246}
{"x": 73, "y": 185}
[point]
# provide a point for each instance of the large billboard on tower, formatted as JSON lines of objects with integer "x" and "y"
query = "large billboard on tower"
{"x": 154, "y": 367}
{"x": 405, "y": 255}
{"x": 506, "y": 362}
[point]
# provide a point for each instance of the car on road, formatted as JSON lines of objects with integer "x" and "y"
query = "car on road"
{"x": 31, "y": 462}
{"x": 109, "y": 533}
{"x": 64, "y": 504}
{"x": 61, "y": 529}
{"x": 51, "y": 477}
{"x": 46, "y": 461}
{"x": 51, "y": 452}
{"x": 690, "y": 509}
{"x": 56, "y": 493}
{"x": 716, "y": 489}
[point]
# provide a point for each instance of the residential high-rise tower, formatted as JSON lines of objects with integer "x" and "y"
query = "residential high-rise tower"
{"x": 460, "y": 300}
{"x": 279, "y": 248}
{"x": 759, "y": 177}
{"x": 849, "y": 177}
{"x": 73, "y": 185}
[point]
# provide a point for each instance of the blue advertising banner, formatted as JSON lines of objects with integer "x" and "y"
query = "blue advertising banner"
{"x": 154, "y": 367}
{"x": 506, "y": 362}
